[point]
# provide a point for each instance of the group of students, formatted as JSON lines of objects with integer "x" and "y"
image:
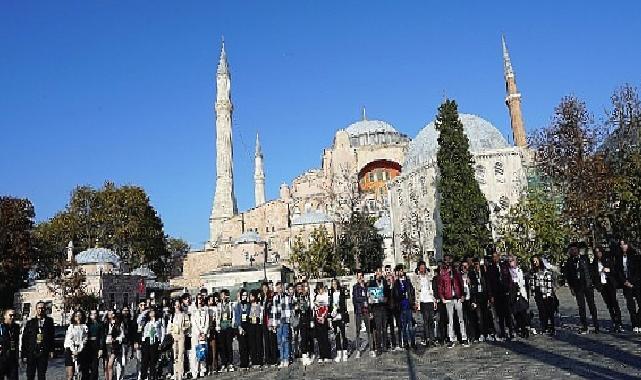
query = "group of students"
{"x": 458, "y": 302}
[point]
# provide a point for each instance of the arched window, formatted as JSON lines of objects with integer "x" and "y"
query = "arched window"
{"x": 499, "y": 171}
{"x": 480, "y": 174}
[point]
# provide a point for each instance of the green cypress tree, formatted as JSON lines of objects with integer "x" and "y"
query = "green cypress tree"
{"x": 464, "y": 211}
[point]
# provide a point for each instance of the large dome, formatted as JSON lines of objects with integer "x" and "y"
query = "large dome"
{"x": 480, "y": 132}
{"x": 369, "y": 126}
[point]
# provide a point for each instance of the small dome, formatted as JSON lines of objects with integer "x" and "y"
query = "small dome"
{"x": 480, "y": 132}
{"x": 249, "y": 237}
{"x": 369, "y": 126}
{"x": 97, "y": 256}
{"x": 311, "y": 218}
{"x": 384, "y": 226}
{"x": 144, "y": 272}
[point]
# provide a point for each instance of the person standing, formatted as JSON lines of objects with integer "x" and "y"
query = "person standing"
{"x": 9, "y": 339}
{"x": 361, "y": 310}
{"x": 542, "y": 289}
{"x": 114, "y": 335}
{"x": 269, "y": 334}
{"x": 178, "y": 328}
{"x": 305, "y": 315}
{"x": 628, "y": 268}
{"x": 379, "y": 295}
{"x": 426, "y": 302}
{"x": 74, "y": 344}
{"x": 129, "y": 328}
{"x": 469, "y": 313}
{"x": 255, "y": 330}
{"x": 579, "y": 276}
{"x": 605, "y": 282}
{"x": 321, "y": 324}
{"x": 340, "y": 318}
{"x": 199, "y": 330}
{"x": 212, "y": 355}
{"x": 37, "y": 343}
{"x": 498, "y": 291}
{"x": 152, "y": 335}
{"x": 405, "y": 297}
{"x": 479, "y": 300}
{"x": 450, "y": 292}
{"x": 225, "y": 326}
{"x": 519, "y": 304}
{"x": 95, "y": 345}
{"x": 242, "y": 322}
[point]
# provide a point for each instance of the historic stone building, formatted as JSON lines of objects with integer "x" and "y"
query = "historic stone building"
{"x": 369, "y": 166}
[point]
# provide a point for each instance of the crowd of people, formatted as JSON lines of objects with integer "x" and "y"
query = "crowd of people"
{"x": 456, "y": 303}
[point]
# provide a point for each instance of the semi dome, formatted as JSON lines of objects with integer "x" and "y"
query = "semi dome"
{"x": 97, "y": 256}
{"x": 144, "y": 271}
{"x": 369, "y": 126}
{"x": 480, "y": 132}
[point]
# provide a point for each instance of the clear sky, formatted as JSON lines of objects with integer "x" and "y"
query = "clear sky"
{"x": 124, "y": 91}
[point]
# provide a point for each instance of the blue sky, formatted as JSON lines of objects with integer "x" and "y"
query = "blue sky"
{"x": 124, "y": 91}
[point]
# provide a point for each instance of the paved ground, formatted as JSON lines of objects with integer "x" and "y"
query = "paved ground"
{"x": 567, "y": 355}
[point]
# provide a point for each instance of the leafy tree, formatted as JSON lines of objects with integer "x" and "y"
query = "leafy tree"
{"x": 535, "y": 226}
{"x": 71, "y": 287}
{"x": 463, "y": 208}
{"x": 16, "y": 251}
{"x": 118, "y": 218}
{"x": 318, "y": 257}
{"x": 570, "y": 163}
{"x": 360, "y": 245}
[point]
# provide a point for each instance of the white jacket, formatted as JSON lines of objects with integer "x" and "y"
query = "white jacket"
{"x": 199, "y": 322}
{"x": 76, "y": 338}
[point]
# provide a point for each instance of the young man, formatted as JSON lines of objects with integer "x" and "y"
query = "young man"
{"x": 479, "y": 300}
{"x": 579, "y": 276}
{"x": 282, "y": 313}
{"x": 361, "y": 310}
{"x": 37, "y": 343}
{"x": 450, "y": 292}
{"x": 305, "y": 316}
{"x": 225, "y": 328}
{"x": 469, "y": 312}
{"x": 405, "y": 297}
{"x": 628, "y": 268}
{"x": 498, "y": 290}
{"x": 426, "y": 302}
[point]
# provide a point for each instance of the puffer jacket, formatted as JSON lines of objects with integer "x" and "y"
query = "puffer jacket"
{"x": 450, "y": 284}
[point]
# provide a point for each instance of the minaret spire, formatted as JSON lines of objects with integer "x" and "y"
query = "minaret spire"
{"x": 364, "y": 114}
{"x": 513, "y": 99}
{"x": 224, "y": 206}
{"x": 259, "y": 174}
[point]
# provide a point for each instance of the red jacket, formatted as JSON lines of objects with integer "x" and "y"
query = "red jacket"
{"x": 445, "y": 285}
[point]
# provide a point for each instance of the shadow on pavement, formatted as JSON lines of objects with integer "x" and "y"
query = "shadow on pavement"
{"x": 576, "y": 367}
{"x": 605, "y": 349}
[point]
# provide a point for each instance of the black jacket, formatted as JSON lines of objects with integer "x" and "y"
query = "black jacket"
{"x": 9, "y": 335}
{"x": 359, "y": 297}
{"x": 497, "y": 283}
{"x": 30, "y": 337}
{"x": 96, "y": 334}
{"x": 611, "y": 278}
{"x": 387, "y": 294}
{"x": 478, "y": 285}
{"x": 398, "y": 295}
{"x": 342, "y": 305}
{"x": 634, "y": 268}
{"x": 578, "y": 273}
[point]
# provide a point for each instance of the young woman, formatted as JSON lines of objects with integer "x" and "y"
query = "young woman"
{"x": 242, "y": 322}
{"x": 340, "y": 317}
{"x": 542, "y": 289}
{"x": 255, "y": 330}
{"x": 518, "y": 298}
{"x": 94, "y": 349}
{"x": 75, "y": 341}
{"x": 212, "y": 356}
{"x": 114, "y": 335}
{"x": 321, "y": 324}
{"x": 306, "y": 323}
{"x": 225, "y": 326}
{"x": 178, "y": 328}
{"x": 152, "y": 335}
{"x": 199, "y": 331}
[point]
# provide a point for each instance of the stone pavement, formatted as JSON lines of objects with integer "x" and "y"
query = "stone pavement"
{"x": 565, "y": 356}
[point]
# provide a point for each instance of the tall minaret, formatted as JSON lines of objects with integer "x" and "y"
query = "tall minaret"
{"x": 224, "y": 199}
{"x": 259, "y": 175}
{"x": 513, "y": 100}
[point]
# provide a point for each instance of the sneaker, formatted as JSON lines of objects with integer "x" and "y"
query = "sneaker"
{"x": 482, "y": 338}
{"x": 339, "y": 356}
{"x": 450, "y": 344}
{"x": 466, "y": 343}
{"x": 345, "y": 354}
{"x": 636, "y": 329}
{"x": 372, "y": 354}
{"x": 358, "y": 355}
{"x": 398, "y": 348}
{"x": 583, "y": 330}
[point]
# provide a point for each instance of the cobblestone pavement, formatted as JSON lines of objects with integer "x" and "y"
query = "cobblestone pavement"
{"x": 567, "y": 355}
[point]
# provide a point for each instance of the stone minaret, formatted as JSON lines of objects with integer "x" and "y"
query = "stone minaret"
{"x": 513, "y": 100}
{"x": 259, "y": 175}
{"x": 224, "y": 199}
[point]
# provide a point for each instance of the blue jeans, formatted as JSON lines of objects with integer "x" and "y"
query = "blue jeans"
{"x": 282, "y": 335}
{"x": 407, "y": 327}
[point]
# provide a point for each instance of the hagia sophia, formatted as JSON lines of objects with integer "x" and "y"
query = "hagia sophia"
{"x": 370, "y": 166}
